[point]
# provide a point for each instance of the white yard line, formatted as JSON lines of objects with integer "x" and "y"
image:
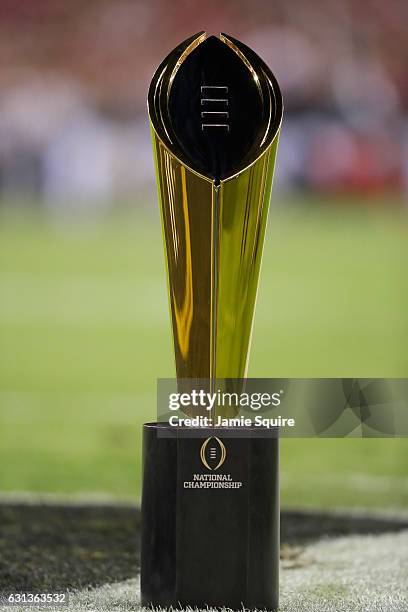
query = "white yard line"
{"x": 347, "y": 574}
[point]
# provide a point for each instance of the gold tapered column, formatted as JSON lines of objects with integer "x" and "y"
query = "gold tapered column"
{"x": 213, "y": 226}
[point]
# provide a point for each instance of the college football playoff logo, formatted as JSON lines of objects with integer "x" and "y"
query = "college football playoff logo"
{"x": 213, "y": 453}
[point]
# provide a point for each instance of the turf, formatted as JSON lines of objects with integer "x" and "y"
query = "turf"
{"x": 324, "y": 577}
{"x": 330, "y": 562}
{"x": 84, "y": 333}
{"x": 57, "y": 546}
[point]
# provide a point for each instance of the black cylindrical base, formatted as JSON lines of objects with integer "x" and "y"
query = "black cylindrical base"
{"x": 210, "y": 518}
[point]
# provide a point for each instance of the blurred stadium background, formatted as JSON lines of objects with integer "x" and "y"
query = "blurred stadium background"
{"x": 84, "y": 325}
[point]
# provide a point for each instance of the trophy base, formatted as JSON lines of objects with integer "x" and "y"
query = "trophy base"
{"x": 210, "y": 518}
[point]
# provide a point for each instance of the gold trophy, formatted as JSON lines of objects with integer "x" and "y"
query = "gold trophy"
{"x": 215, "y": 110}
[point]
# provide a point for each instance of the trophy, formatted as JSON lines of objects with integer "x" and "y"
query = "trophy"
{"x": 210, "y": 500}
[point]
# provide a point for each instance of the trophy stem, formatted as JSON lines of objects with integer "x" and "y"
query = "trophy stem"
{"x": 215, "y": 248}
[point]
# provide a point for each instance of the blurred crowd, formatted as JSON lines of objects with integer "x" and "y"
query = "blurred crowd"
{"x": 74, "y": 77}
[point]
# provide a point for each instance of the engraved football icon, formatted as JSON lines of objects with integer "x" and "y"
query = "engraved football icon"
{"x": 213, "y": 453}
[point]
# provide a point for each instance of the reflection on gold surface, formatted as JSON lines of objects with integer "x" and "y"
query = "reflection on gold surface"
{"x": 186, "y": 203}
{"x": 244, "y": 204}
{"x": 213, "y": 235}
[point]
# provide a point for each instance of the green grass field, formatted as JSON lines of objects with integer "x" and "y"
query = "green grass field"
{"x": 84, "y": 333}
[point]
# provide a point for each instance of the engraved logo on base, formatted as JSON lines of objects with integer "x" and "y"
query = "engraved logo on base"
{"x": 213, "y": 453}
